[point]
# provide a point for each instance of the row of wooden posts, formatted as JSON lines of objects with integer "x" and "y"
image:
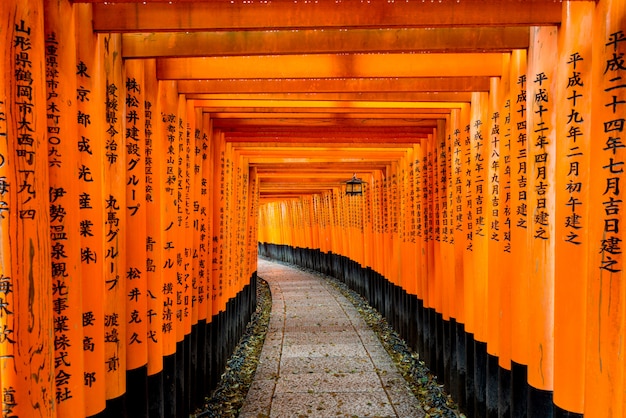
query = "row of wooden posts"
{"x": 508, "y": 219}
{"x": 125, "y": 221}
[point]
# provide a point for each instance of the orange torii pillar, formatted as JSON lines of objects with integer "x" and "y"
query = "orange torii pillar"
{"x": 199, "y": 257}
{"x": 155, "y": 156}
{"x": 26, "y": 301}
{"x": 166, "y": 111}
{"x": 60, "y": 37}
{"x": 520, "y": 220}
{"x": 114, "y": 203}
{"x": 604, "y": 366}
{"x": 493, "y": 201}
{"x": 541, "y": 125}
{"x": 574, "y": 93}
{"x": 505, "y": 249}
{"x": 479, "y": 144}
{"x": 193, "y": 213}
{"x": 90, "y": 178}
{"x": 136, "y": 218}
{"x": 419, "y": 177}
{"x": 458, "y": 361}
{"x": 218, "y": 267}
{"x": 180, "y": 230}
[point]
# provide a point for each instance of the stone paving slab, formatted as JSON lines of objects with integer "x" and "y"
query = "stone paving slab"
{"x": 320, "y": 359}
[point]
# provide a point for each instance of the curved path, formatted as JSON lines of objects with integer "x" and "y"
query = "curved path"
{"x": 320, "y": 359}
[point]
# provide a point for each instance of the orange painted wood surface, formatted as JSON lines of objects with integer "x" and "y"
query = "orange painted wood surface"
{"x": 155, "y": 160}
{"x": 136, "y": 216}
{"x": 114, "y": 203}
{"x": 604, "y": 367}
{"x": 90, "y": 105}
{"x": 572, "y": 206}
{"x": 541, "y": 125}
{"x": 26, "y": 318}
{"x": 64, "y": 193}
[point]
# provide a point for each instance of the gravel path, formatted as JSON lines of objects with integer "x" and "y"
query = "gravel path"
{"x": 320, "y": 358}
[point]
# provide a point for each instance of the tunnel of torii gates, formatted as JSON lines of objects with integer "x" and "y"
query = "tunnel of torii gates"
{"x": 141, "y": 174}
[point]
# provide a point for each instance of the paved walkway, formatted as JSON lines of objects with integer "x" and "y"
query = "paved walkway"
{"x": 320, "y": 359}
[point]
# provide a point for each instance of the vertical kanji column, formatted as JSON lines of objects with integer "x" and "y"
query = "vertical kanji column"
{"x": 458, "y": 366}
{"x": 167, "y": 105}
{"x": 479, "y": 137}
{"x": 90, "y": 116}
{"x": 519, "y": 234}
{"x": 505, "y": 128}
{"x": 60, "y": 37}
{"x": 26, "y": 309}
{"x": 114, "y": 203}
{"x": 136, "y": 235}
{"x": 574, "y": 88}
{"x": 493, "y": 209}
{"x": 541, "y": 124}
{"x": 604, "y": 374}
{"x": 155, "y": 156}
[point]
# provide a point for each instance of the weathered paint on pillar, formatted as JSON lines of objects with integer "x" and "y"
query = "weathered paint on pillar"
{"x": 26, "y": 314}
{"x": 61, "y": 111}
{"x": 541, "y": 123}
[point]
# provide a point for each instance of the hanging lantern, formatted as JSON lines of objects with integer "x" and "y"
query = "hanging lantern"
{"x": 355, "y": 186}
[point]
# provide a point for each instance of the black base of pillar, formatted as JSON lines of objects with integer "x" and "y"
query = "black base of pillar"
{"x": 540, "y": 403}
{"x": 519, "y": 390}
{"x": 156, "y": 403}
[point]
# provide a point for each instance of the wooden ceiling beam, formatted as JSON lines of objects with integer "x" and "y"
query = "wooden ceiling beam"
{"x": 154, "y": 16}
{"x": 332, "y": 121}
{"x": 344, "y": 134}
{"x": 313, "y": 41}
{"x": 347, "y": 96}
{"x": 331, "y": 66}
{"x": 386, "y": 85}
{"x": 324, "y": 106}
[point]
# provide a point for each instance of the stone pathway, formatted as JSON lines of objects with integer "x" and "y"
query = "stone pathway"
{"x": 320, "y": 359}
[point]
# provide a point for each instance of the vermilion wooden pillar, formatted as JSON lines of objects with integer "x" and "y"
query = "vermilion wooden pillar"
{"x": 26, "y": 319}
{"x": 574, "y": 96}
{"x": 495, "y": 197}
{"x": 61, "y": 111}
{"x": 505, "y": 128}
{"x": 541, "y": 124}
{"x": 479, "y": 145}
{"x": 206, "y": 202}
{"x": 136, "y": 236}
{"x": 90, "y": 178}
{"x": 166, "y": 109}
{"x": 114, "y": 203}
{"x": 520, "y": 219}
{"x": 604, "y": 373}
{"x": 155, "y": 156}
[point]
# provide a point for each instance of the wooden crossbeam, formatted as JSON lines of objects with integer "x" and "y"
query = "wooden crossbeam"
{"x": 331, "y": 66}
{"x": 155, "y": 16}
{"x": 361, "y": 85}
{"x": 315, "y": 41}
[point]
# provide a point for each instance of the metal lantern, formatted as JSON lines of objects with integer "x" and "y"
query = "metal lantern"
{"x": 355, "y": 186}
